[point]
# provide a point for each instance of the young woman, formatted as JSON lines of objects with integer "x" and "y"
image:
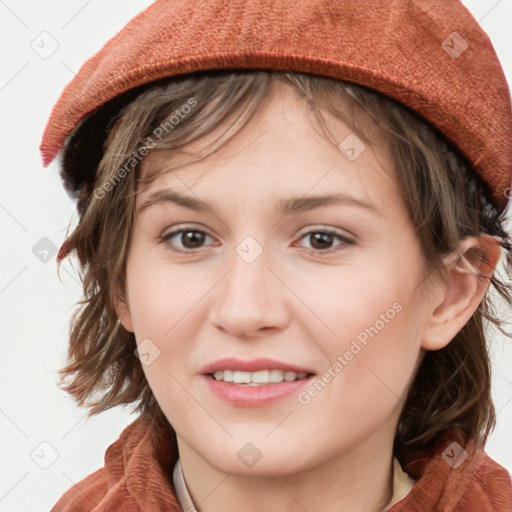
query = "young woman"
{"x": 290, "y": 219}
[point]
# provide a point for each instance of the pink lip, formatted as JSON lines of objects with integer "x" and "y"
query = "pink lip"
{"x": 243, "y": 395}
{"x": 254, "y": 365}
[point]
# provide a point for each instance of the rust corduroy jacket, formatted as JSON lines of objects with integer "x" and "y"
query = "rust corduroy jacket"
{"x": 138, "y": 468}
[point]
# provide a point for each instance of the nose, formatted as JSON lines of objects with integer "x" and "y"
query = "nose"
{"x": 250, "y": 299}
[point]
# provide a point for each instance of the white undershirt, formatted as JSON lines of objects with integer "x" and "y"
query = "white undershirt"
{"x": 402, "y": 484}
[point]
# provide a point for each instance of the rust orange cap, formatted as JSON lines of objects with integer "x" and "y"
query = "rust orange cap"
{"x": 431, "y": 55}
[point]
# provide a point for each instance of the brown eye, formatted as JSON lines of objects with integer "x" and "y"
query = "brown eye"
{"x": 321, "y": 241}
{"x": 190, "y": 239}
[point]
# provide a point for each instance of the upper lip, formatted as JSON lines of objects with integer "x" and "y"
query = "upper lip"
{"x": 252, "y": 365}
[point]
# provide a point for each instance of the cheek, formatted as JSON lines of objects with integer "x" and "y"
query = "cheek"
{"x": 359, "y": 302}
{"x": 370, "y": 335}
{"x": 163, "y": 296}
{"x": 375, "y": 350}
{"x": 366, "y": 382}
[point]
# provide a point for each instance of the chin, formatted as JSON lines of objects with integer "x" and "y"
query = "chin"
{"x": 256, "y": 459}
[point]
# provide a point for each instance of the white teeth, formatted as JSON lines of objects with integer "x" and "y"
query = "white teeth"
{"x": 241, "y": 377}
{"x": 255, "y": 378}
{"x": 276, "y": 376}
{"x": 260, "y": 377}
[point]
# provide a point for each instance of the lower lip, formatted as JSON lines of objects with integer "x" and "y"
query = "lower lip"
{"x": 243, "y": 395}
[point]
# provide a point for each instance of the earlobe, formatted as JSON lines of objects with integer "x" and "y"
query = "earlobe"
{"x": 123, "y": 312}
{"x": 455, "y": 301}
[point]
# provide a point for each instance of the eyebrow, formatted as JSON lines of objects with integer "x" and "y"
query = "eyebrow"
{"x": 285, "y": 206}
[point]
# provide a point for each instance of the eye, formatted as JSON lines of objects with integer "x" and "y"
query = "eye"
{"x": 190, "y": 239}
{"x": 321, "y": 240}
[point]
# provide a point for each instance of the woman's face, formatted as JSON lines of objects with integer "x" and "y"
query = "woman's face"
{"x": 273, "y": 275}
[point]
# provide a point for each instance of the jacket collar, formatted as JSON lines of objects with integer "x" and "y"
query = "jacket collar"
{"x": 139, "y": 466}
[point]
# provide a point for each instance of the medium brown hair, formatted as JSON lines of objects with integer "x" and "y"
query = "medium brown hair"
{"x": 446, "y": 199}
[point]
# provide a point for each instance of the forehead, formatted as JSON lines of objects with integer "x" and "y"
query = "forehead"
{"x": 281, "y": 149}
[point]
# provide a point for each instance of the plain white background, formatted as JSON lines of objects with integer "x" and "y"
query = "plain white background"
{"x": 40, "y": 425}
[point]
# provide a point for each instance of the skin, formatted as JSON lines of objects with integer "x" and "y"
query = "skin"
{"x": 335, "y": 452}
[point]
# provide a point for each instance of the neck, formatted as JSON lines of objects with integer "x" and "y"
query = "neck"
{"x": 360, "y": 479}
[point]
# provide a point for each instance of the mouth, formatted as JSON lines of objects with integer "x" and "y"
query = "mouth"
{"x": 256, "y": 382}
{"x": 256, "y": 389}
{"x": 258, "y": 378}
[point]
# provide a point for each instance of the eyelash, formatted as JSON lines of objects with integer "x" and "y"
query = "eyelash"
{"x": 345, "y": 240}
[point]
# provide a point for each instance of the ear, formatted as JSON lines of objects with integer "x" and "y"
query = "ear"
{"x": 454, "y": 301}
{"x": 122, "y": 308}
